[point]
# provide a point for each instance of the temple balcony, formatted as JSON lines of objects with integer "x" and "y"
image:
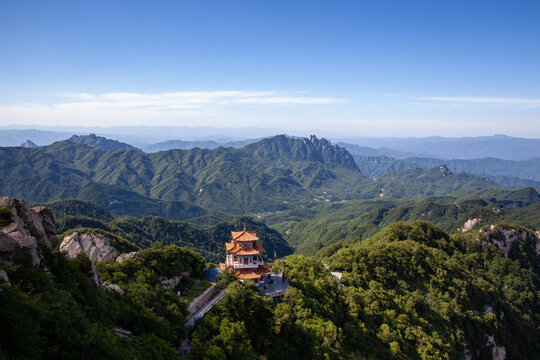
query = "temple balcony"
{"x": 239, "y": 265}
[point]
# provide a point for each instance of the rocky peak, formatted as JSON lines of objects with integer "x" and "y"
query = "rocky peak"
{"x": 94, "y": 244}
{"x": 26, "y": 228}
{"x": 29, "y": 144}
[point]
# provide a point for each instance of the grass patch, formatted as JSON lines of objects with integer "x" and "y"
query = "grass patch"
{"x": 190, "y": 293}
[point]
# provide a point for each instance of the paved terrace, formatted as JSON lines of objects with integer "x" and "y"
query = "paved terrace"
{"x": 276, "y": 288}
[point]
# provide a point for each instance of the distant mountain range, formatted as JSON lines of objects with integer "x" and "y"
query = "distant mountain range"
{"x": 203, "y": 185}
{"x": 497, "y": 169}
{"x": 152, "y": 139}
{"x": 185, "y": 145}
{"x": 497, "y": 146}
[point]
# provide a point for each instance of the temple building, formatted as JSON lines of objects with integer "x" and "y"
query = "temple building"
{"x": 244, "y": 257}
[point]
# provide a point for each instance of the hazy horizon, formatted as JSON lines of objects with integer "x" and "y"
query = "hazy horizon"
{"x": 218, "y": 134}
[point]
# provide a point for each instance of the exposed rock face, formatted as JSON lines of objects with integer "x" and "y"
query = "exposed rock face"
{"x": 469, "y": 224}
{"x": 4, "y": 276}
{"x": 38, "y": 222}
{"x": 498, "y": 352}
{"x": 516, "y": 243}
{"x": 123, "y": 332}
{"x": 95, "y": 245}
{"x": 170, "y": 284}
{"x": 112, "y": 288}
{"x": 48, "y": 219}
{"x": 18, "y": 249}
{"x": 504, "y": 238}
{"x": 93, "y": 274}
{"x": 28, "y": 227}
{"x": 122, "y": 257}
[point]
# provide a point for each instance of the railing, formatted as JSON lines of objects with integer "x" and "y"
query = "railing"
{"x": 238, "y": 265}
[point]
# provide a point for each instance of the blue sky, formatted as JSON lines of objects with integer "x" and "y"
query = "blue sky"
{"x": 380, "y": 68}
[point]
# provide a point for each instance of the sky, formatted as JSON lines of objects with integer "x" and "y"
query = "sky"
{"x": 359, "y": 68}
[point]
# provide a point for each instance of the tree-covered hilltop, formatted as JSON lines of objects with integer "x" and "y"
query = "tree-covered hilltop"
{"x": 57, "y": 312}
{"x": 101, "y": 142}
{"x": 310, "y": 228}
{"x": 76, "y": 207}
{"x": 209, "y": 242}
{"x": 118, "y": 202}
{"x": 409, "y": 292}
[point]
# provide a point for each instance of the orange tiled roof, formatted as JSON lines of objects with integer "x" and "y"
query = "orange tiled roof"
{"x": 247, "y": 251}
{"x": 248, "y": 275}
{"x": 252, "y": 274}
{"x": 235, "y": 248}
{"x": 244, "y": 236}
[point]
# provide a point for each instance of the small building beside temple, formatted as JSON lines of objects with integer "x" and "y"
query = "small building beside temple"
{"x": 244, "y": 258}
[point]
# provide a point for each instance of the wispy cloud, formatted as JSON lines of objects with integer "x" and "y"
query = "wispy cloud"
{"x": 186, "y": 100}
{"x": 484, "y": 100}
{"x": 165, "y": 108}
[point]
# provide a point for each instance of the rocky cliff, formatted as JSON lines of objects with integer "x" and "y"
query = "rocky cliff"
{"x": 23, "y": 229}
{"x": 96, "y": 246}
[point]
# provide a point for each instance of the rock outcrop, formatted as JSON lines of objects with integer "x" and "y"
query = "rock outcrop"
{"x": 504, "y": 238}
{"x": 29, "y": 144}
{"x": 123, "y": 333}
{"x": 497, "y": 352}
{"x": 24, "y": 231}
{"x": 516, "y": 243}
{"x": 469, "y": 224}
{"x": 95, "y": 245}
{"x": 112, "y": 288}
{"x": 171, "y": 284}
{"x": 4, "y": 276}
{"x": 130, "y": 255}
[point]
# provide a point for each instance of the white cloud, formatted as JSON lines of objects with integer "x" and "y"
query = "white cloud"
{"x": 184, "y": 100}
{"x": 483, "y": 100}
{"x": 163, "y": 108}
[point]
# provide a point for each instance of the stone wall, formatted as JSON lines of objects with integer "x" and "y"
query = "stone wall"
{"x": 202, "y": 299}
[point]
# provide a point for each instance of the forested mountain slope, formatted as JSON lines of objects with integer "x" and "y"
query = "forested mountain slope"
{"x": 202, "y": 185}
{"x": 260, "y": 176}
{"x": 209, "y": 241}
{"x": 409, "y": 292}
